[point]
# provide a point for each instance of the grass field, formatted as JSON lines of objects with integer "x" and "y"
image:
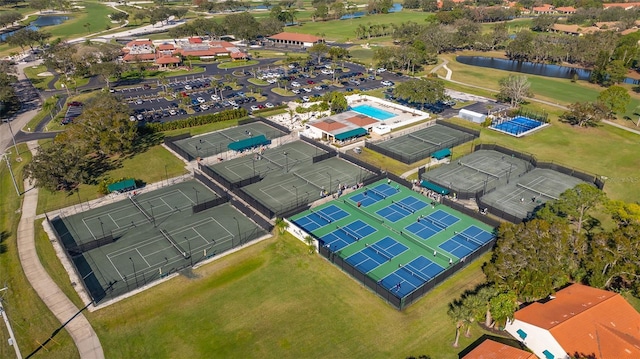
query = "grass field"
{"x": 31, "y": 320}
{"x": 559, "y": 91}
{"x": 39, "y": 82}
{"x": 148, "y": 168}
{"x": 273, "y": 300}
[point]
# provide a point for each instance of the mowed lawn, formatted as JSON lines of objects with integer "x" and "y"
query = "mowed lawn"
{"x": 344, "y": 30}
{"x": 558, "y": 91}
{"x": 605, "y": 151}
{"x": 274, "y": 300}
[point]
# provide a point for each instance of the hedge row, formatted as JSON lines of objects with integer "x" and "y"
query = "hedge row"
{"x": 197, "y": 120}
{"x": 270, "y": 109}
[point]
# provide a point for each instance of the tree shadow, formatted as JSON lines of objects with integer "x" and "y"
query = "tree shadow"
{"x": 4, "y": 235}
{"x": 145, "y": 140}
{"x": 96, "y": 166}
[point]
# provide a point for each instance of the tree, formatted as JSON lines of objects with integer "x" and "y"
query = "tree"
{"x": 59, "y": 166}
{"x": 615, "y": 99}
{"x": 576, "y": 204}
{"x": 503, "y": 306}
{"x": 422, "y": 91}
{"x": 119, "y": 16}
{"x": 319, "y": 50}
{"x": 337, "y": 102}
{"x": 543, "y": 23}
{"x": 9, "y": 17}
{"x": 243, "y": 25}
{"x": 322, "y": 12}
{"x": 584, "y": 114}
{"x": 107, "y": 70}
{"x": 458, "y": 314}
{"x": 282, "y": 225}
{"x": 624, "y": 213}
{"x": 310, "y": 245}
{"x": 8, "y": 98}
{"x": 514, "y": 89}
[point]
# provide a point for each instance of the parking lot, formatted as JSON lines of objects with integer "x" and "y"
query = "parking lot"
{"x": 203, "y": 93}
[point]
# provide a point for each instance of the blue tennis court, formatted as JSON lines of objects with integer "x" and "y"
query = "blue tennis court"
{"x": 424, "y": 228}
{"x": 443, "y": 218}
{"x": 393, "y": 212}
{"x": 373, "y": 195}
{"x": 466, "y": 242}
{"x": 410, "y": 276}
{"x": 376, "y": 254}
{"x": 320, "y": 218}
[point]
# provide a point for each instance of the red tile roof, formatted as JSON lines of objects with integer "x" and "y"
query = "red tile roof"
{"x": 166, "y": 47}
{"x": 329, "y": 125}
{"x": 490, "y": 349}
{"x": 543, "y": 8}
{"x": 624, "y": 5}
{"x": 566, "y": 9}
{"x": 589, "y": 321}
{"x": 238, "y": 55}
{"x": 289, "y": 36}
{"x": 195, "y": 40}
{"x": 361, "y": 120}
{"x": 164, "y": 60}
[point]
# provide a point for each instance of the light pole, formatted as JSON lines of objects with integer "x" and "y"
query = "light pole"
{"x": 189, "y": 244}
{"x": 253, "y": 163}
{"x": 135, "y": 276}
{"x": 166, "y": 174}
{"x": 330, "y": 183}
{"x": 238, "y": 225}
{"x": 197, "y": 201}
{"x": 286, "y": 158}
{"x": 152, "y": 216}
{"x": 296, "y": 188}
{"x": 15, "y": 185}
{"x": 101, "y": 226}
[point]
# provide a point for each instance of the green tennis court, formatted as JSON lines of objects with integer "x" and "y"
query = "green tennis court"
{"x": 420, "y": 144}
{"x": 213, "y": 143}
{"x": 400, "y": 240}
{"x": 128, "y": 244}
{"x": 478, "y": 171}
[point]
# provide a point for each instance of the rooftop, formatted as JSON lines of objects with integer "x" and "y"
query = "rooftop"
{"x": 490, "y": 349}
{"x": 289, "y": 36}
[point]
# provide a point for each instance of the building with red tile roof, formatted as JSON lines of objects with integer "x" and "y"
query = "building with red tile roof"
{"x": 624, "y": 5}
{"x": 566, "y": 10}
{"x": 582, "y": 320}
{"x": 490, "y": 349}
{"x": 543, "y": 9}
{"x": 293, "y": 39}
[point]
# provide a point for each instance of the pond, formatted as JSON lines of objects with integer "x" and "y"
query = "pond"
{"x": 531, "y": 68}
{"x": 38, "y": 23}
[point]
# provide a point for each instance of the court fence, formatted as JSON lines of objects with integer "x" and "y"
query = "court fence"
{"x": 360, "y": 163}
{"x": 216, "y": 176}
{"x": 170, "y": 142}
{"x": 392, "y": 298}
{"x": 87, "y": 246}
{"x": 318, "y": 144}
{"x": 251, "y": 214}
{"x": 470, "y": 212}
{"x": 474, "y": 133}
{"x": 419, "y": 155}
{"x": 494, "y": 211}
{"x": 209, "y": 183}
{"x": 275, "y": 125}
{"x": 197, "y": 208}
{"x": 246, "y": 181}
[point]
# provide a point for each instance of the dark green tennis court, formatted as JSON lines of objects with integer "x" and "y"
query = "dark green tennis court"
{"x": 420, "y": 144}
{"x": 399, "y": 239}
{"x": 213, "y": 143}
{"x": 128, "y": 244}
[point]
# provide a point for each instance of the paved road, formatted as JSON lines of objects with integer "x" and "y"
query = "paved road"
{"x": 67, "y": 313}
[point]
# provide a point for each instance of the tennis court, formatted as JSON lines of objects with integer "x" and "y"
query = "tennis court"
{"x": 481, "y": 170}
{"x": 395, "y": 240}
{"x": 464, "y": 243}
{"x": 522, "y": 196}
{"x": 213, "y": 143}
{"x": 422, "y": 143}
{"x": 128, "y": 244}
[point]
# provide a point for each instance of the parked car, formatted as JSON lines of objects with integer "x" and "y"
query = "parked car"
{"x": 200, "y": 100}
{"x": 268, "y": 105}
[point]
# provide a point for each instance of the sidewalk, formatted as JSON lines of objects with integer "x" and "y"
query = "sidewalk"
{"x": 78, "y": 326}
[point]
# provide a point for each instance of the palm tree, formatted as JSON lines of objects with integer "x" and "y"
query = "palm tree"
{"x": 310, "y": 244}
{"x": 282, "y": 225}
{"x": 475, "y": 308}
{"x": 485, "y": 294}
{"x": 459, "y": 316}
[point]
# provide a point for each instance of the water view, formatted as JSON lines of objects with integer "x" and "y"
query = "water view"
{"x": 41, "y": 21}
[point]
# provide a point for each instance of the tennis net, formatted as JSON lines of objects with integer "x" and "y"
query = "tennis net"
{"x": 470, "y": 239}
{"x": 348, "y": 233}
{"x": 307, "y": 181}
{"x": 415, "y": 274}
{"x": 405, "y": 207}
{"x": 437, "y": 223}
{"x": 378, "y": 193}
{"x": 175, "y": 244}
{"x": 272, "y": 161}
{"x": 135, "y": 203}
{"x": 363, "y": 211}
{"x": 319, "y": 214}
{"x": 416, "y": 241}
{"x": 424, "y": 140}
{"x": 479, "y": 170}
{"x": 381, "y": 252}
{"x": 536, "y": 191}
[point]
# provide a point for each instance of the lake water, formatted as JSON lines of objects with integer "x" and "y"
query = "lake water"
{"x": 531, "y": 68}
{"x": 38, "y": 23}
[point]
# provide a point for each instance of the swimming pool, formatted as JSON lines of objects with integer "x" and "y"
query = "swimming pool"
{"x": 373, "y": 112}
{"x": 517, "y": 126}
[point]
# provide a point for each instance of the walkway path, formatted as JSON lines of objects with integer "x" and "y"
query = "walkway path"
{"x": 444, "y": 66}
{"x": 77, "y": 325}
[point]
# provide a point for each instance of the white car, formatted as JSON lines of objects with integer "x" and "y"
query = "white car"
{"x": 295, "y": 84}
{"x": 381, "y": 70}
{"x": 200, "y": 100}
{"x": 327, "y": 72}
{"x": 140, "y": 117}
{"x": 139, "y": 102}
{"x": 215, "y": 97}
{"x": 295, "y": 91}
{"x": 232, "y": 103}
{"x": 255, "y": 108}
{"x": 187, "y": 87}
{"x": 173, "y": 112}
{"x": 305, "y": 98}
{"x": 132, "y": 118}
{"x": 319, "y": 88}
{"x": 387, "y": 83}
{"x": 204, "y": 106}
{"x": 306, "y": 89}
{"x": 268, "y": 105}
